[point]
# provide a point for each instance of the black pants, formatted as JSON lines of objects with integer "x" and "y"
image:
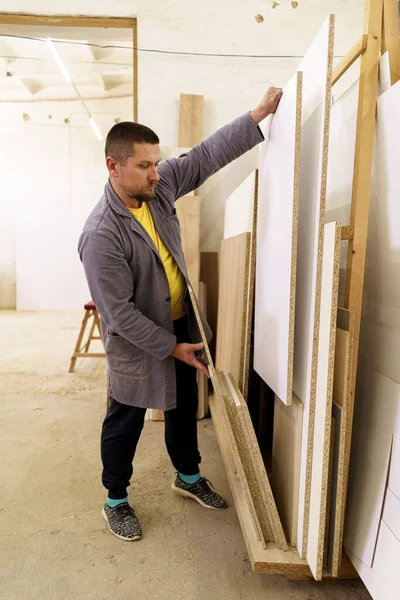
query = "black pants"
{"x": 123, "y": 425}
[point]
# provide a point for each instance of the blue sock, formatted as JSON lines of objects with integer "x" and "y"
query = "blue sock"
{"x": 113, "y": 503}
{"x": 189, "y": 479}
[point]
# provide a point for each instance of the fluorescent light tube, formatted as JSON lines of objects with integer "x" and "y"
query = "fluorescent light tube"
{"x": 59, "y": 60}
{"x": 95, "y": 128}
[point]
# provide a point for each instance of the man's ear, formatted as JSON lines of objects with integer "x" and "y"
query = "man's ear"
{"x": 112, "y": 166}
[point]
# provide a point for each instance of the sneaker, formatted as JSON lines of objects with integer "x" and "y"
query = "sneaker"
{"x": 201, "y": 491}
{"x": 122, "y": 522}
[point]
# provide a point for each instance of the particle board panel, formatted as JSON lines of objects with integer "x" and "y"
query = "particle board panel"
{"x": 188, "y": 211}
{"x": 342, "y": 411}
{"x": 190, "y": 120}
{"x": 317, "y": 73}
{"x": 232, "y": 305}
{"x": 383, "y": 579}
{"x": 247, "y": 440}
{"x": 209, "y": 274}
{"x": 370, "y": 456}
{"x": 248, "y": 431}
{"x": 391, "y": 513}
{"x": 288, "y": 427}
{"x": 323, "y": 401}
{"x": 270, "y": 559}
{"x": 277, "y": 224}
{"x": 245, "y": 470}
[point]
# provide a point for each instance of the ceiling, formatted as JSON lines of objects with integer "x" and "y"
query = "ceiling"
{"x": 28, "y": 71}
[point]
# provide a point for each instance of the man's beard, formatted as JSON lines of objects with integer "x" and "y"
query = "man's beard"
{"x": 145, "y": 197}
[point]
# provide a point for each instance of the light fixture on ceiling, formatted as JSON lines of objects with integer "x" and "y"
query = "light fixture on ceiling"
{"x": 68, "y": 79}
{"x": 59, "y": 60}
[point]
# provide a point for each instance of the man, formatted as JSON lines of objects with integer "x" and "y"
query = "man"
{"x": 132, "y": 255}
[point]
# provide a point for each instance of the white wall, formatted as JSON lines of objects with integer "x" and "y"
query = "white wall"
{"x": 52, "y": 175}
{"x": 230, "y": 86}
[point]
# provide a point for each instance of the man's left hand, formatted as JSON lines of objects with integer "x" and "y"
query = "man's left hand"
{"x": 267, "y": 105}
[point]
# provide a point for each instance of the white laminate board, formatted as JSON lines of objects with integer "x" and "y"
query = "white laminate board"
{"x": 323, "y": 399}
{"x": 391, "y": 513}
{"x": 383, "y": 580}
{"x": 370, "y": 455}
{"x": 239, "y": 208}
{"x": 384, "y": 73}
{"x": 387, "y": 142}
{"x": 316, "y": 67}
{"x": 278, "y": 191}
{"x": 377, "y": 400}
{"x": 342, "y": 142}
{"x": 394, "y": 470}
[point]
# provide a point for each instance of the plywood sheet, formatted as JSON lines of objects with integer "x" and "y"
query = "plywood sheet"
{"x": 209, "y": 275}
{"x": 323, "y": 403}
{"x": 277, "y": 223}
{"x": 317, "y": 70}
{"x": 190, "y": 120}
{"x": 370, "y": 455}
{"x": 232, "y": 305}
{"x": 383, "y": 580}
{"x": 288, "y": 426}
{"x": 188, "y": 211}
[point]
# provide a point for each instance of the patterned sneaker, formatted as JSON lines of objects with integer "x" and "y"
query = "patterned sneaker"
{"x": 201, "y": 491}
{"x": 122, "y": 522}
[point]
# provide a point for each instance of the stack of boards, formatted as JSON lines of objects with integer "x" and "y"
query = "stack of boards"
{"x": 284, "y": 224}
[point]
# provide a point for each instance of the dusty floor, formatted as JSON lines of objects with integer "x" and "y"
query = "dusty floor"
{"x": 54, "y": 543}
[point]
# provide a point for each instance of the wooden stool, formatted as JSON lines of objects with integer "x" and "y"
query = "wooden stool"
{"x": 83, "y": 351}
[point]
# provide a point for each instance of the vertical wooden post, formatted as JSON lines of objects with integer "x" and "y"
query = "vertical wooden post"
{"x": 135, "y": 71}
{"x": 368, "y": 87}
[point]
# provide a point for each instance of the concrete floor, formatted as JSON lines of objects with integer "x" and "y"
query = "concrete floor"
{"x": 55, "y": 544}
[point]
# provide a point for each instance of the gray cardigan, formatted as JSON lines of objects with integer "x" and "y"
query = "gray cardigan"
{"x": 126, "y": 277}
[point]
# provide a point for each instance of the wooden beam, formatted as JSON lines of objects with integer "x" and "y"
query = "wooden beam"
{"x": 390, "y": 37}
{"x": 190, "y": 120}
{"x": 357, "y": 50}
{"x": 64, "y": 21}
{"x": 135, "y": 71}
{"x": 347, "y": 232}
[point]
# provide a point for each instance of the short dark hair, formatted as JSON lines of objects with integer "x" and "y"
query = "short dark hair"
{"x": 122, "y": 137}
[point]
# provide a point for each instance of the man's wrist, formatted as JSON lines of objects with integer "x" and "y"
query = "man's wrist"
{"x": 257, "y": 116}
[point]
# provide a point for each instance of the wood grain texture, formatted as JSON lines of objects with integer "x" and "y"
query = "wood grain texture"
{"x": 390, "y": 37}
{"x": 247, "y": 440}
{"x": 190, "y": 120}
{"x": 323, "y": 404}
{"x": 209, "y": 274}
{"x": 188, "y": 211}
{"x": 288, "y": 427}
{"x": 341, "y": 412}
{"x": 277, "y": 222}
{"x": 233, "y": 305}
{"x": 317, "y": 72}
{"x": 370, "y": 455}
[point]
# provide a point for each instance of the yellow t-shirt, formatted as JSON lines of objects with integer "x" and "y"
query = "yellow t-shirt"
{"x": 176, "y": 280}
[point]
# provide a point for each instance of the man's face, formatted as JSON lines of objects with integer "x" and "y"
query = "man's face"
{"x": 138, "y": 177}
